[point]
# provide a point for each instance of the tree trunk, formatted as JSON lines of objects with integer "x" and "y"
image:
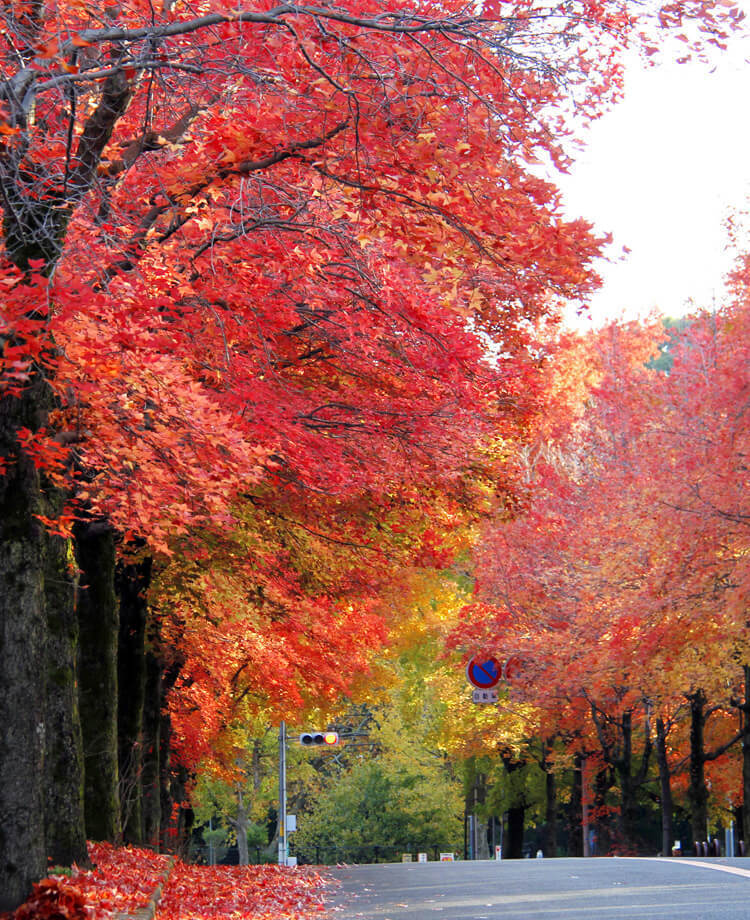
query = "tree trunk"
{"x": 168, "y": 829}
{"x": 624, "y": 767}
{"x": 665, "y": 785}
{"x": 22, "y": 653}
{"x": 549, "y": 840}
{"x": 550, "y": 815}
{"x": 513, "y": 844}
{"x": 629, "y": 784}
{"x": 616, "y": 739}
{"x": 482, "y": 850}
{"x": 33, "y": 230}
{"x": 168, "y": 783}
{"x": 65, "y": 831}
{"x": 241, "y": 826}
{"x": 98, "y": 621}
{"x": 131, "y": 584}
{"x": 745, "y": 721}
{"x": 513, "y": 848}
{"x": 256, "y": 767}
{"x": 697, "y": 791}
{"x": 151, "y": 784}
{"x": 185, "y": 814}
{"x": 739, "y": 839}
{"x": 575, "y": 821}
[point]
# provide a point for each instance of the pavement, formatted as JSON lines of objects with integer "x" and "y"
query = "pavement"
{"x": 547, "y": 889}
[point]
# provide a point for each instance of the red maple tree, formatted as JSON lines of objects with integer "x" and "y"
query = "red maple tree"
{"x": 251, "y": 256}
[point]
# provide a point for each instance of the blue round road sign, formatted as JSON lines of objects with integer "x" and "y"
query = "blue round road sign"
{"x": 483, "y": 672}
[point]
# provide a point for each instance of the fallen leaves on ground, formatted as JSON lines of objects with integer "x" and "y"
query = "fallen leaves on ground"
{"x": 123, "y": 879}
{"x": 242, "y": 893}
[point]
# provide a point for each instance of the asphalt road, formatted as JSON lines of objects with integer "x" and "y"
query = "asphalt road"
{"x": 547, "y": 889}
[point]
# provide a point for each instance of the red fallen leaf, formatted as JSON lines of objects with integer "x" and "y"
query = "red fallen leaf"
{"x": 123, "y": 881}
{"x": 49, "y": 49}
{"x": 55, "y": 899}
{"x": 248, "y": 892}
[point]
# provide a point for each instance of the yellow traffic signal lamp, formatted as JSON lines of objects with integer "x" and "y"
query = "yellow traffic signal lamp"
{"x": 316, "y": 739}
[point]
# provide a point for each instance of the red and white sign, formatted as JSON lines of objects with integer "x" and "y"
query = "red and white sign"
{"x": 484, "y": 673}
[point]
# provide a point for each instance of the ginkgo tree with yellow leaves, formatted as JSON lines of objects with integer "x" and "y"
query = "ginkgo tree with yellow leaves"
{"x": 395, "y": 794}
{"x": 408, "y": 778}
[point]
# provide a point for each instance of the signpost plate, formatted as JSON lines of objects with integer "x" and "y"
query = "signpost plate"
{"x": 484, "y": 696}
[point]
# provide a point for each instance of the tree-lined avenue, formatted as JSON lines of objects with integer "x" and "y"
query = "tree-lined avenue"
{"x": 290, "y": 431}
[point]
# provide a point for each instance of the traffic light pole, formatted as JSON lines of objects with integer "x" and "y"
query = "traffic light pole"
{"x": 283, "y": 848}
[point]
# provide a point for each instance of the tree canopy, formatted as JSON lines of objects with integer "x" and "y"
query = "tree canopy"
{"x": 274, "y": 283}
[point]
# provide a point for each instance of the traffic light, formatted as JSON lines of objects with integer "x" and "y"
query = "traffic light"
{"x": 312, "y": 739}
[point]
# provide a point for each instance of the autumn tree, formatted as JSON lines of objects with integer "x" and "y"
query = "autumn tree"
{"x": 704, "y": 434}
{"x": 251, "y": 255}
{"x": 615, "y": 588}
{"x": 398, "y": 793}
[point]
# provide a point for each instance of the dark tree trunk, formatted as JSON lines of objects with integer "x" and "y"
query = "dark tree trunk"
{"x": 604, "y": 835}
{"x": 33, "y": 229}
{"x": 665, "y": 786}
{"x": 513, "y": 845}
{"x": 168, "y": 830}
{"x": 624, "y": 766}
{"x": 616, "y": 739}
{"x": 473, "y": 803}
{"x": 65, "y": 831}
{"x": 98, "y": 622}
{"x": 630, "y": 783}
{"x": 697, "y": 791}
{"x": 480, "y": 824}
{"x": 168, "y": 780}
{"x": 22, "y": 652}
{"x": 513, "y": 848}
{"x": 575, "y": 824}
{"x": 151, "y": 784}
{"x": 185, "y": 814}
{"x": 550, "y": 815}
{"x": 745, "y": 722}
{"x": 549, "y": 841}
{"x": 131, "y": 584}
{"x": 257, "y": 774}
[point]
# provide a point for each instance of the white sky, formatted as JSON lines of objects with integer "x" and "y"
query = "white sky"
{"x": 661, "y": 172}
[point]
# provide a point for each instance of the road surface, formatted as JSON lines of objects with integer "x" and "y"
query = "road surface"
{"x": 547, "y": 889}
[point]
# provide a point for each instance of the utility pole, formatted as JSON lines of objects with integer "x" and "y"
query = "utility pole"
{"x": 283, "y": 848}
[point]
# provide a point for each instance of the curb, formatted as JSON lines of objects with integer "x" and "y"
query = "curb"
{"x": 148, "y": 911}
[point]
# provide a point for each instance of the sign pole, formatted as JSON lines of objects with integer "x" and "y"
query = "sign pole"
{"x": 282, "y": 795}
